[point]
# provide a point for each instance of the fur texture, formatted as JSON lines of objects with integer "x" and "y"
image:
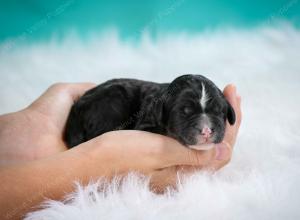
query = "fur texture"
{"x": 262, "y": 180}
{"x": 171, "y": 109}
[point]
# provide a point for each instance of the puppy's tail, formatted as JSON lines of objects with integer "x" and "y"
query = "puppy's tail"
{"x": 74, "y": 131}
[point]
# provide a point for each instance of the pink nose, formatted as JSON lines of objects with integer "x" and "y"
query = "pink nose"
{"x": 206, "y": 132}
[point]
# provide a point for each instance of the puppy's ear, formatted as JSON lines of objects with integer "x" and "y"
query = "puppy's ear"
{"x": 230, "y": 113}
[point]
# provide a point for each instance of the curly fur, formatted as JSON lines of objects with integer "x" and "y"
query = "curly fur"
{"x": 171, "y": 109}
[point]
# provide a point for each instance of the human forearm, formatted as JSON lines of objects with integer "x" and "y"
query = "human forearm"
{"x": 26, "y": 185}
{"x": 114, "y": 153}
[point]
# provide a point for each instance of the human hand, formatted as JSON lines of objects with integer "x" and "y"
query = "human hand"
{"x": 169, "y": 176}
{"x": 145, "y": 152}
{"x": 37, "y": 131}
{"x": 159, "y": 156}
{"x": 231, "y": 132}
{"x": 125, "y": 150}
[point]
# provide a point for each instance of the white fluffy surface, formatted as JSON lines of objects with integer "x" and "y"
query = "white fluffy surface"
{"x": 263, "y": 179}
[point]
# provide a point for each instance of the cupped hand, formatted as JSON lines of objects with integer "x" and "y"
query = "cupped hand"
{"x": 231, "y": 132}
{"x": 223, "y": 151}
{"x": 37, "y": 131}
{"x": 145, "y": 152}
{"x": 162, "y": 157}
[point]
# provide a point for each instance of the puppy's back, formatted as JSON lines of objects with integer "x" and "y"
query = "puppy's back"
{"x": 109, "y": 106}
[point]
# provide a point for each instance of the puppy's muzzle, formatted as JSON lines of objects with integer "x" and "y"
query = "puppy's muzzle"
{"x": 206, "y": 132}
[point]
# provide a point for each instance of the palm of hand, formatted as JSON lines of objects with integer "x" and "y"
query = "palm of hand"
{"x": 37, "y": 131}
{"x": 50, "y": 113}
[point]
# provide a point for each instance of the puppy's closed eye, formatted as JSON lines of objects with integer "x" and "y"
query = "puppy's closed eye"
{"x": 188, "y": 110}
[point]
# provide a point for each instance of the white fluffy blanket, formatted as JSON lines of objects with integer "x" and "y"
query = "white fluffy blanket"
{"x": 263, "y": 179}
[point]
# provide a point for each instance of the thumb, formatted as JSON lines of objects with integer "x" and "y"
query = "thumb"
{"x": 199, "y": 157}
{"x": 174, "y": 153}
{"x": 187, "y": 156}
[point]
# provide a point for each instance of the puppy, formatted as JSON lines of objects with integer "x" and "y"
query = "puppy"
{"x": 190, "y": 109}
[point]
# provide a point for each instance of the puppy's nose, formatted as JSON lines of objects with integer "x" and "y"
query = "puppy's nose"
{"x": 206, "y": 132}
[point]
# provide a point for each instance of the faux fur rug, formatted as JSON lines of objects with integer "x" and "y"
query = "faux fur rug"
{"x": 263, "y": 179}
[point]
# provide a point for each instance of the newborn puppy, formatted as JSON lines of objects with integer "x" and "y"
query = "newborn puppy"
{"x": 190, "y": 109}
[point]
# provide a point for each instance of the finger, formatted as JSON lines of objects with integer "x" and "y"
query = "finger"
{"x": 72, "y": 91}
{"x": 176, "y": 154}
{"x": 223, "y": 157}
{"x": 78, "y": 89}
{"x": 169, "y": 178}
{"x": 162, "y": 179}
{"x": 235, "y": 100}
{"x": 58, "y": 99}
{"x": 160, "y": 151}
{"x": 225, "y": 148}
{"x": 230, "y": 93}
{"x": 65, "y": 93}
{"x": 239, "y": 110}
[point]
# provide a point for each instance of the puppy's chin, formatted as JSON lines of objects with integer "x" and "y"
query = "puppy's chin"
{"x": 202, "y": 144}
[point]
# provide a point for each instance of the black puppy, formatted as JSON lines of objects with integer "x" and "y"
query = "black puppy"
{"x": 190, "y": 109}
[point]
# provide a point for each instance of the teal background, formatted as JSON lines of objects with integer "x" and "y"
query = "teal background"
{"x": 40, "y": 20}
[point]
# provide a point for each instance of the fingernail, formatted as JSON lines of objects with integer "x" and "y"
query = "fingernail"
{"x": 221, "y": 153}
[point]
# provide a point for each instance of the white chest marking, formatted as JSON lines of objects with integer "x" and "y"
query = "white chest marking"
{"x": 204, "y": 97}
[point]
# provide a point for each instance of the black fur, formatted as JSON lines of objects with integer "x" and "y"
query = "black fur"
{"x": 171, "y": 109}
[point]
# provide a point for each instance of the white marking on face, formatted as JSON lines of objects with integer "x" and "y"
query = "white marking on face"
{"x": 205, "y": 121}
{"x": 204, "y": 97}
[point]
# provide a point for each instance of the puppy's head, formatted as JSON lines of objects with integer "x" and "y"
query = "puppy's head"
{"x": 196, "y": 111}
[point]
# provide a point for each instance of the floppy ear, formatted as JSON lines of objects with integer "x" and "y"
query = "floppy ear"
{"x": 230, "y": 113}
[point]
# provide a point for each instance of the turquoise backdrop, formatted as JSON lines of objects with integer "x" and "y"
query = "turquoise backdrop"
{"x": 41, "y": 19}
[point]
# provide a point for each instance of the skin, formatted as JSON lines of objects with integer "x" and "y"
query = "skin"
{"x": 35, "y": 163}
